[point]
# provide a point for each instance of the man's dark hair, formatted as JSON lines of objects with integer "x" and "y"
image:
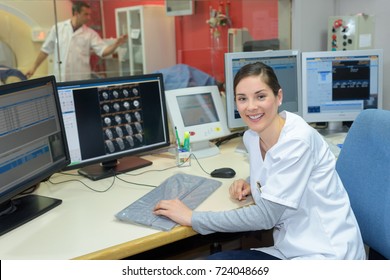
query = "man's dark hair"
{"x": 78, "y": 5}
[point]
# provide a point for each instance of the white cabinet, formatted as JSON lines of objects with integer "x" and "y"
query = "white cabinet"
{"x": 151, "y": 45}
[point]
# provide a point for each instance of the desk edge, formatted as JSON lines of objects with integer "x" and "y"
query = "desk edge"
{"x": 140, "y": 245}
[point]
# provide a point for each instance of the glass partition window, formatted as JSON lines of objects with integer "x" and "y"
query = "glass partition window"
{"x": 200, "y": 38}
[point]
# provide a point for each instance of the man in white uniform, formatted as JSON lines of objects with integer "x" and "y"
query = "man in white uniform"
{"x": 75, "y": 42}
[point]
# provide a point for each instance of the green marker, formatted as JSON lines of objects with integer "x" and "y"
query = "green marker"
{"x": 186, "y": 141}
{"x": 177, "y": 138}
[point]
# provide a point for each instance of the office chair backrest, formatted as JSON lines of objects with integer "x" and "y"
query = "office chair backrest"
{"x": 364, "y": 168}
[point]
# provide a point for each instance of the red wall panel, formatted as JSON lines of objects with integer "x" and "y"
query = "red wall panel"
{"x": 195, "y": 44}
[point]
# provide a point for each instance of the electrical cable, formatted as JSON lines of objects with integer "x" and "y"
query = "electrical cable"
{"x": 225, "y": 139}
{"x": 116, "y": 176}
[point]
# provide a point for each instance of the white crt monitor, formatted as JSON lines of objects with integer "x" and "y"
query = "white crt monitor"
{"x": 287, "y": 67}
{"x": 338, "y": 85}
{"x": 199, "y": 111}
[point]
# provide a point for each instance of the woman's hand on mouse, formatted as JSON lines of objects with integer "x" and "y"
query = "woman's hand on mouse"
{"x": 240, "y": 189}
{"x": 175, "y": 210}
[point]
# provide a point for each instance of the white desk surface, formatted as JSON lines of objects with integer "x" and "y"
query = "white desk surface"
{"x": 84, "y": 226}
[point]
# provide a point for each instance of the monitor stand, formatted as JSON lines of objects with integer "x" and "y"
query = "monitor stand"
{"x": 334, "y": 127}
{"x": 204, "y": 149}
{"x": 108, "y": 169}
{"x": 21, "y": 210}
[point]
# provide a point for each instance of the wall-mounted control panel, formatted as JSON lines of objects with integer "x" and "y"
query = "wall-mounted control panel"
{"x": 350, "y": 32}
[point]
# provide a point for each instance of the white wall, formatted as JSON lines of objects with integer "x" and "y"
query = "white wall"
{"x": 310, "y": 21}
{"x": 310, "y": 24}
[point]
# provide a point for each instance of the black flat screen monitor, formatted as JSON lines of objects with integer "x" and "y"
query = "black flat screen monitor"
{"x": 32, "y": 148}
{"x": 109, "y": 122}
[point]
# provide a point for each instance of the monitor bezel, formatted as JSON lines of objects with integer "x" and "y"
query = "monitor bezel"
{"x": 339, "y": 116}
{"x": 128, "y": 153}
{"x": 238, "y": 123}
{"x": 43, "y": 175}
{"x": 203, "y": 132}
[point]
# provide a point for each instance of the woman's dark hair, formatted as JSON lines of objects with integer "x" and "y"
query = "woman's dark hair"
{"x": 260, "y": 69}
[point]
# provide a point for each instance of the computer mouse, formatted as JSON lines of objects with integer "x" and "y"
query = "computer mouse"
{"x": 224, "y": 172}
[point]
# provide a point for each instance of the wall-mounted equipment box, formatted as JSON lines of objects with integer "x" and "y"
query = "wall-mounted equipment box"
{"x": 350, "y": 32}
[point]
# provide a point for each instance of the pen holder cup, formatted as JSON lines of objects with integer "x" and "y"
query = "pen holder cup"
{"x": 183, "y": 158}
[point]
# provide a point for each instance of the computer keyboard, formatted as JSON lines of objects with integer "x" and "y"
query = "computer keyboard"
{"x": 190, "y": 189}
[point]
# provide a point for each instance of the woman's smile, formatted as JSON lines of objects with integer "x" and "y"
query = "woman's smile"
{"x": 256, "y": 117}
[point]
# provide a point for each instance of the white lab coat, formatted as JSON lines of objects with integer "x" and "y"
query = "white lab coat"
{"x": 298, "y": 172}
{"x": 75, "y": 50}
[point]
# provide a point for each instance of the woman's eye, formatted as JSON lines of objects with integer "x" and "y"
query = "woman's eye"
{"x": 261, "y": 97}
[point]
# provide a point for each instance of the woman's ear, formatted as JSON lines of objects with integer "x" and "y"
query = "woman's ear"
{"x": 280, "y": 96}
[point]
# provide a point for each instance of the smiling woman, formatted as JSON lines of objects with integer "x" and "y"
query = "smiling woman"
{"x": 292, "y": 175}
{"x": 258, "y": 96}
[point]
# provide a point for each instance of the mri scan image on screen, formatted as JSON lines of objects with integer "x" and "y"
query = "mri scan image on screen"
{"x": 110, "y": 121}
